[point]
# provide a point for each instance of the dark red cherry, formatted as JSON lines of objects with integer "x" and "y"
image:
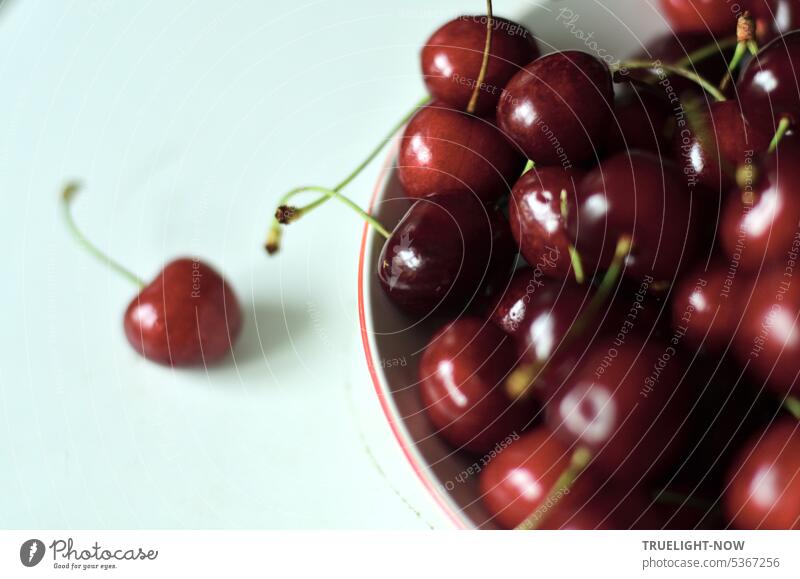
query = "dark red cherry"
{"x": 625, "y": 406}
{"x": 440, "y": 253}
{"x": 511, "y": 301}
{"x": 516, "y": 487}
{"x": 537, "y": 223}
{"x": 716, "y": 16}
{"x": 768, "y": 340}
{"x": 759, "y": 222}
{"x": 446, "y": 151}
{"x": 452, "y": 57}
{"x": 763, "y": 489}
{"x": 188, "y": 316}
{"x": 517, "y": 481}
{"x": 715, "y": 141}
{"x": 708, "y": 305}
{"x": 461, "y": 375}
{"x": 643, "y": 118}
{"x": 768, "y": 88}
{"x": 558, "y": 108}
{"x": 638, "y": 195}
{"x": 775, "y": 17}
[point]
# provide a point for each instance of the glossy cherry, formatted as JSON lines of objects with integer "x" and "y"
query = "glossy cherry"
{"x": 638, "y": 195}
{"x": 510, "y": 302}
{"x": 461, "y": 375}
{"x": 452, "y": 58}
{"x": 516, "y": 486}
{"x": 708, "y": 305}
{"x": 759, "y": 222}
{"x": 624, "y": 404}
{"x": 716, "y": 140}
{"x": 768, "y": 88}
{"x": 443, "y": 150}
{"x": 768, "y": 340}
{"x": 558, "y": 108}
{"x": 763, "y": 489}
{"x": 188, "y": 316}
{"x": 775, "y": 17}
{"x": 715, "y": 16}
{"x": 536, "y": 217}
{"x": 439, "y": 254}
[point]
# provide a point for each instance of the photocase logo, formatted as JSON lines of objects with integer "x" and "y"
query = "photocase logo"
{"x": 32, "y": 552}
{"x": 403, "y": 254}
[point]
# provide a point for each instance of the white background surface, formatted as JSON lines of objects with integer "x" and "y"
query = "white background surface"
{"x": 186, "y": 120}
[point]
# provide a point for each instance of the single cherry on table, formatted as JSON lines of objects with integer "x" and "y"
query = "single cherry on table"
{"x": 187, "y": 316}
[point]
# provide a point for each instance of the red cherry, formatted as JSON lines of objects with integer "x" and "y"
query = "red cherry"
{"x": 461, "y": 383}
{"x": 768, "y": 88}
{"x": 715, "y": 16}
{"x": 558, "y": 108}
{"x": 768, "y": 340}
{"x": 775, "y": 17}
{"x": 716, "y": 140}
{"x": 624, "y": 405}
{"x": 643, "y": 197}
{"x": 708, "y": 305}
{"x": 440, "y": 253}
{"x": 452, "y": 58}
{"x": 759, "y": 223}
{"x": 517, "y": 481}
{"x": 763, "y": 489}
{"x": 188, "y": 316}
{"x": 536, "y": 219}
{"x": 446, "y": 151}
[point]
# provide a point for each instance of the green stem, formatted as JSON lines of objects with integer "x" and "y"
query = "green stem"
{"x": 792, "y": 404}
{"x": 275, "y": 230}
{"x": 783, "y": 126}
{"x": 578, "y": 462}
{"x": 473, "y": 100}
{"x": 741, "y": 50}
{"x": 528, "y": 166}
{"x": 291, "y": 214}
{"x": 706, "y": 51}
{"x": 67, "y": 195}
{"x": 574, "y": 256}
{"x": 693, "y": 76}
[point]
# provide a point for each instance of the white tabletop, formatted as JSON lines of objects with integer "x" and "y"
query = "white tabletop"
{"x": 186, "y": 120}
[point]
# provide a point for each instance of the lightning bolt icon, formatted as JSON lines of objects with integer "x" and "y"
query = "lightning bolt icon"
{"x": 34, "y": 548}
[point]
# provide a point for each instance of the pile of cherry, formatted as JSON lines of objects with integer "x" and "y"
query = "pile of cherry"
{"x": 613, "y": 247}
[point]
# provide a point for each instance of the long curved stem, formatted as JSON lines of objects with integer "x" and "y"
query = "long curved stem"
{"x": 67, "y": 195}
{"x": 578, "y": 462}
{"x": 275, "y": 230}
{"x": 680, "y": 71}
{"x": 473, "y": 100}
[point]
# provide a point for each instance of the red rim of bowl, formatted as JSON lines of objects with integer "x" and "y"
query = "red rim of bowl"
{"x": 388, "y": 410}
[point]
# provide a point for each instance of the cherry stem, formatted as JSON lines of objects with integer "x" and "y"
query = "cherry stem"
{"x": 473, "y": 99}
{"x": 680, "y": 71}
{"x": 574, "y": 256}
{"x": 792, "y": 404}
{"x": 783, "y": 126}
{"x": 706, "y": 51}
{"x": 524, "y": 376}
{"x": 67, "y": 195}
{"x": 275, "y": 230}
{"x": 745, "y": 42}
{"x": 528, "y": 166}
{"x": 287, "y": 214}
{"x": 578, "y": 462}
